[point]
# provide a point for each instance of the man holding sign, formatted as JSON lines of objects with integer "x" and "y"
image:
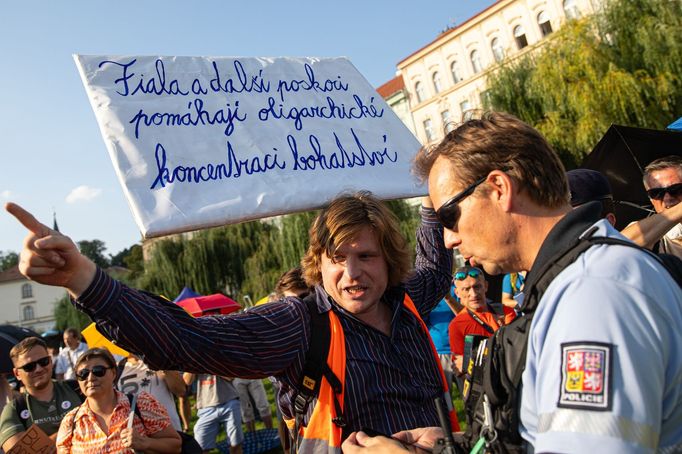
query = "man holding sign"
{"x": 387, "y": 375}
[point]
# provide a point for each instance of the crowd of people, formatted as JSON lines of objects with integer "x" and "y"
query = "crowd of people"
{"x": 582, "y": 352}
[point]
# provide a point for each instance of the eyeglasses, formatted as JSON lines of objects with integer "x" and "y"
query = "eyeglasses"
{"x": 97, "y": 371}
{"x": 448, "y": 214}
{"x": 461, "y": 275}
{"x": 675, "y": 190}
{"x": 30, "y": 367}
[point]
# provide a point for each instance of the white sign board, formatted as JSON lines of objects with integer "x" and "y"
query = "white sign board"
{"x": 199, "y": 142}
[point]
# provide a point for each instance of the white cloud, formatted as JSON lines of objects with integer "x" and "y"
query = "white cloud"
{"x": 82, "y": 194}
{"x": 6, "y": 194}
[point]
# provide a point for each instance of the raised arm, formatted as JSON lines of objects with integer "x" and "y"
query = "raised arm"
{"x": 646, "y": 232}
{"x": 255, "y": 344}
{"x": 433, "y": 262}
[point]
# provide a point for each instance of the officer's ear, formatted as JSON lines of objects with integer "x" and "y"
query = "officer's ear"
{"x": 612, "y": 219}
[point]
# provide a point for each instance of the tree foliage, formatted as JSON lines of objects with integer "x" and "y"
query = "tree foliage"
{"x": 94, "y": 250}
{"x": 8, "y": 259}
{"x": 242, "y": 259}
{"x": 621, "y": 65}
{"x": 67, "y": 316}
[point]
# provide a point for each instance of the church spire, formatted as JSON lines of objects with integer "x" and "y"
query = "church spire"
{"x": 54, "y": 221}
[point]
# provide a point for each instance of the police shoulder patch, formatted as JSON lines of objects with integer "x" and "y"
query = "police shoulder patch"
{"x": 586, "y": 376}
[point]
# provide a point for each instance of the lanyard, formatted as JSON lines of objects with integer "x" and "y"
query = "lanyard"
{"x": 478, "y": 320}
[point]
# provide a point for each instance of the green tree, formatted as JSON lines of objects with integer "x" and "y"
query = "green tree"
{"x": 67, "y": 316}
{"x": 8, "y": 259}
{"x": 622, "y": 65}
{"x": 94, "y": 250}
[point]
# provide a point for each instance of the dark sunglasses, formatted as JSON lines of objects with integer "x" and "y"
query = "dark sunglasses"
{"x": 448, "y": 214}
{"x": 675, "y": 190}
{"x": 30, "y": 367}
{"x": 461, "y": 275}
{"x": 97, "y": 371}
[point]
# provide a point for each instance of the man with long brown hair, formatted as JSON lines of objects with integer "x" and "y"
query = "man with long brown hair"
{"x": 384, "y": 372}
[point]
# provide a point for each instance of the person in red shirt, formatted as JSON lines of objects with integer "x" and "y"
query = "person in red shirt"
{"x": 480, "y": 316}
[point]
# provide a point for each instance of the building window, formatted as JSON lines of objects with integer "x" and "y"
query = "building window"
{"x": 28, "y": 313}
{"x": 476, "y": 61}
{"x": 520, "y": 37}
{"x": 486, "y": 100}
{"x": 26, "y": 291}
{"x": 428, "y": 129}
{"x": 419, "y": 90}
{"x": 544, "y": 24}
{"x": 467, "y": 113}
{"x": 448, "y": 124}
{"x": 498, "y": 50}
{"x": 571, "y": 9}
{"x": 436, "y": 82}
{"x": 456, "y": 74}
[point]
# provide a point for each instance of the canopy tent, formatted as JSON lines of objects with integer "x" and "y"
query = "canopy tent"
{"x": 186, "y": 293}
{"x": 621, "y": 155}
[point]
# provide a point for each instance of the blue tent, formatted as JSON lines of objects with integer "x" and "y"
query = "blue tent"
{"x": 676, "y": 125}
{"x": 186, "y": 293}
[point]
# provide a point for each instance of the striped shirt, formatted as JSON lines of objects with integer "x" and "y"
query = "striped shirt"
{"x": 391, "y": 381}
{"x": 80, "y": 433}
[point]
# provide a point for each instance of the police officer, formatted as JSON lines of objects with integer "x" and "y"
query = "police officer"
{"x": 603, "y": 370}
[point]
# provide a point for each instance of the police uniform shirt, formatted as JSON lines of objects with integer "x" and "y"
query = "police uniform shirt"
{"x": 604, "y": 364}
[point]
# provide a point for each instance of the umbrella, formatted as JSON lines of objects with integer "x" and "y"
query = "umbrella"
{"x": 186, "y": 293}
{"x": 201, "y": 305}
{"x": 263, "y": 300}
{"x": 53, "y": 338}
{"x": 676, "y": 125}
{"x": 96, "y": 339}
{"x": 10, "y": 336}
{"x": 621, "y": 155}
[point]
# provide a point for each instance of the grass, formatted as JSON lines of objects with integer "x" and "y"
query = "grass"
{"x": 270, "y": 392}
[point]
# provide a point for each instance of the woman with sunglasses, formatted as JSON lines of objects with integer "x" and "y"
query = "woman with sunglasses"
{"x": 100, "y": 424}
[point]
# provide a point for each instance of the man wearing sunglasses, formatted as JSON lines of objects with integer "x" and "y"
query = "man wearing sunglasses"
{"x": 603, "y": 349}
{"x": 44, "y": 402}
{"x": 663, "y": 184}
{"x": 480, "y": 316}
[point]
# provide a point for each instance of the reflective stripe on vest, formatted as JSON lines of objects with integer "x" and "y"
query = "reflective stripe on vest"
{"x": 454, "y": 422}
{"x": 321, "y": 435}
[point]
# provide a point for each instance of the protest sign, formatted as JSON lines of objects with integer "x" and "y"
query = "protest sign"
{"x": 198, "y": 142}
{"x": 34, "y": 441}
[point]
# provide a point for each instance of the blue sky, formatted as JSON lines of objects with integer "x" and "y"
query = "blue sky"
{"x": 52, "y": 154}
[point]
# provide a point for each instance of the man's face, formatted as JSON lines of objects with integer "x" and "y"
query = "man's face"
{"x": 357, "y": 276}
{"x": 662, "y": 179}
{"x": 471, "y": 292}
{"x": 70, "y": 341}
{"x": 482, "y": 233}
{"x": 40, "y": 376}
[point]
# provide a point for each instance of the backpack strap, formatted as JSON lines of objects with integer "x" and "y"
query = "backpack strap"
{"x": 316, "y": 367}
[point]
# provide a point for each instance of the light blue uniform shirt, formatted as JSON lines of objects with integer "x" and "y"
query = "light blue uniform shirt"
{"x": 604, "y": 364}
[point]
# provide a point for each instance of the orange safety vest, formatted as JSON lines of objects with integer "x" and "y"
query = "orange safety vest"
{"x": 321, "y": 435}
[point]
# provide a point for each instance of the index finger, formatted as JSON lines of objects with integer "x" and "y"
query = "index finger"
{"x": 27, "y": 219}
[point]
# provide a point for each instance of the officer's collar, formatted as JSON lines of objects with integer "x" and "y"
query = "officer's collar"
{"x": 562, "y": 236}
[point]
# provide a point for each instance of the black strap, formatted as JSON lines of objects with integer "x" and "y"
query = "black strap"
{"x": 478, "y": 320}
{"x": 315, "y": 367}
{"x": 21, "y": 404}
{"x": 130, "y": 397}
